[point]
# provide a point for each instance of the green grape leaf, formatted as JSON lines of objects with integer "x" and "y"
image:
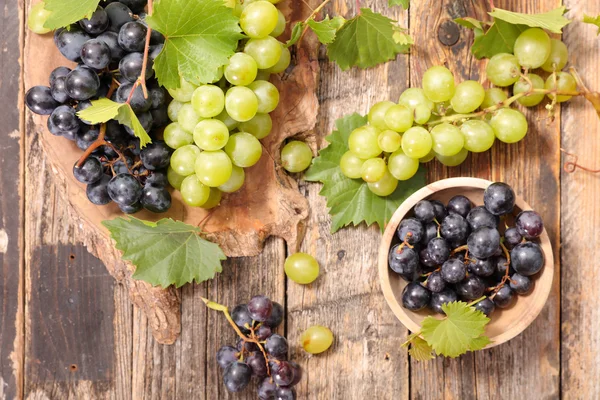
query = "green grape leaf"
{"x": 67, "y": 12}
{"x": 200, "y": 35}
{"x": 350, "y": 201}
{"x": 420, "y": 350}
{"x": 470, "y": 23}
{"x": 499, "y": 38}
{"x": 166, "y": 253}
{"x": 552, "y": 21}
{"x": 365, "y": 41}
{"x": 480, "y": 343}
{"x": 460, "y": 331}
{"x": 327, "y": 28}
{"x": 403, "y": 3}
{"x": 296, "y": 33}
{"x": 402, "y": 37}
{"x": 127, "y": 117}
{"x": 588, "y": 19}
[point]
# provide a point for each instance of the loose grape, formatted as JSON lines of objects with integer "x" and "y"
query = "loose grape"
{"x": 428, "y": 157}
{"x": 188, "y": 118}
{"x": 174, "y": 178}
{"x": 503, "y": 69}
{"x": 241, "y": 70}
{"x": 447, "y": 139}
{"x": 184, "y": 158}
{"x": 351, "y": 165}
{"x": 241, "y": 103}
{"x": 267, "y": 95}
{"x": 214, "y": 199}
{"x": 363, "y": 142}
{"x": 385, "y": 186}
{"x": 260, "y": 126}
{"x": 479, "y": 135}
{"x": 280, "y": 27}
{"x": 559, "y": 54}
{"x": 493, "y": 96}
{"x": 389, "y": 141}
{"x": 296, "y": 156}
{"x": 377, "y": 114}
{"x": 455, "y": 160}
{"x": 373, "y": 170}
{"x": 208, "y": 101}
{"x": 259, "y": 19}
{"x": 173, "y": 110}
{"x": 398, "y": 118}
{"x": 532, "y": 48}
{"x": 227, "y": 120}
{"x": 414, "y": 97}
{"x": 416, "y": 142}
{"x": 38, "y": 15}
{"x": 422, "y": 114}
{"x": 563, "y": 82}
{"x": 532, "y": 99}
{"x": 401, "y": 166}
{"x": 468, "y": 97}
{"x": 193, "y": 192}
{"x": 510, "y": 126}
{"x": 184, "y": 92}
{"x": 266, "y": 51}
{"x": 244, "y": 149}
{"x": 302, "y": 268}
{"x": 283, "y": 62}
{"x": 438, "y": 84}
{"x": 175, "y": 136}
{"x": 211, "y": 134}
{"x": 235, "y": 182}
{"x": 316, "y": 339}
{"x": 213, "y": 168}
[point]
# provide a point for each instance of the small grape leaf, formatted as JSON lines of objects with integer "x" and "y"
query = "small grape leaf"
{"x": 552, "y": 21}
{"x": 470, "y": 23}
{"x": 403, "y": 3}
{"x": 104, "y": 110}
{"x": 499, "y": 38}
{"x": 402, "y": 37}
{"x": 460, "y": 331}
{"x": 296, "y": 33}
{"x": 350, "y": 200}
{"x": 200, "y": 35}
{"x": 67, "y": 12}
{"x": 420, "y": 350}
{"x": 588, "y": 19}
{"x": 327, "y": 28}
{"x": 365, "y": 41}
{"x": 168, "y": 253}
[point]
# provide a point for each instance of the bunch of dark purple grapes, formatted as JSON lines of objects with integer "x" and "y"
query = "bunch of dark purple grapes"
{"x": 261, "y": 353}
{"x": 108, "y": 48}
{"x": 460, "y": 252}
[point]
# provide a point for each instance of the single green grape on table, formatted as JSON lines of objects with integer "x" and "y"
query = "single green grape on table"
{"x": 316, "y": 339}
{"x": 296, "y": 156}
{"x": 302, "y": 268}
{"x": 38, "y": 15}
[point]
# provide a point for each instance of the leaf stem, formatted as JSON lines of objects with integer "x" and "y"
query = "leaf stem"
{"x": 572, "y": 165}
{"x": 311, "y": 16}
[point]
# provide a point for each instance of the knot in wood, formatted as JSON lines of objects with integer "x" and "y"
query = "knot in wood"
{"x": 448, "y": 33}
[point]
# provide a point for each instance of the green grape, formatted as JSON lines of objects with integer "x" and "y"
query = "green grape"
{"x": 399, "y": 118}
{"x": 296, "y": 156}
{"x": 173, "y": 110}
{"x": 267, "y": 95}
{"x": 438, "y": 84}
{"x": 194, "y": 192}
{"x": 510, "y": 126}
{"x": 260, "y": 126}
{"x": 316, "y": 339}
{"x": 401, "y": 166}
{"x": 479, "y": 135}
{"x": 447, "y": 139}
{"x": 259, "y": 19}
{"x": 522, "y": 86}
{"x": 363, "y": 142}
{"x": 455, "y": 160}
{"x": 563, "y": 82}
{"x": 428, "y": 157}
{"x": 468, "y": 97}
{"x": 174, "y": 178}
{"x": 532, "y": 48}
{"x": 302, "y": 268}
{"x": 241, "y": 103}
{"x": 351, "y": 165}
{"x": 213, "y": 168}
{"x": 377, "y": 114}
{"x": 492, "y": 97}
{"x": 235, "y": 181}
{"x": 373, "y": 170}
{"x": 503, "y": 69}
{"x": 208, "y": 101}
{"x": 443, "y": 108}
{"x": 422, "y": 114}
{"x": 240, "y": 6}
{"x": 389, "y": 141}
{"x": 280, "y": 27}
{"x": 241, "y": 70}
{"x": 282, "y": 64}
{"x": 244, "y": 149}
{"x": 559, "y": 54}
{"x": 38, "y": 15}
{"x": 385, "y": 186}
{"x": 416, "y": 142}
{"x": 214, "y": 199}
{"x": 184, "y": 92}
{"x": 211, "y": 134}
{"x": 188, "y": 118}
{"x": 227, "y": 120}
{"x": 266, "y": 51}
{"x": 184, "y": 158}
{"x": 175, "y": 136}
{"x": 414, "y": 97}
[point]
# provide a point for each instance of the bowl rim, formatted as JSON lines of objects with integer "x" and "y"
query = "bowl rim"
{"x": 541, "y": 290}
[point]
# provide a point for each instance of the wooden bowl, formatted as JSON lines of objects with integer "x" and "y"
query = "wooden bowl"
{"x": 505, "y": 323}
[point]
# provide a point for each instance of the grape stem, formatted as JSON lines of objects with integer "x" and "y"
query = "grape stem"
{"x": 102, "y": 142}
{"x": 506, "y": 276}
{"x": 311, "y": 16}
{"x": 141, "y": 80}
{"x": 572, "y": 164}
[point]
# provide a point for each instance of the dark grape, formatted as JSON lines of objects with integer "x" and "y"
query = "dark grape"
{"x": 97, "y": 23}
{"x": 435, "y": 282}
{"x": 471, "y": 288}
{"x": 529, "y": 224}
{"x": 237, "y": 376}
{"x": 131, "y": 65}
{"x": 70, "y": 135}
{"x": 132, "y": 208}
{"x": 118, "y": 15}
{"x": 155, "y": 51}
{"x": 424, "y": 211}
{"x": 52, "y": 128}
{"x": 248, "y": 347}
{"x": 157, "y": 178}
{"x": 480, "y": 216}
{"x": 257, "y": 362}
{"x": 89, "y": 172}
{"x": 57, "y": 73}
{"x": 441, "y": 298}
{"x": 521, "y": 284}
{"x": 226, "y": 356}
{"x": 95, "y": 54}
{"x": 459, "y": 205}
{"x": 70, "y": 42}
{"x": 132, "y": 36}
{"x": 504, "y": 297}
{"x": 111, "y": 39}
{"x": 155, "y": 198}
{"x": 284, "y": 374}
{"x": 114, "y": 130}
{"x": 82, "y": 83}
{"x": 404, "y": 261}
{"x": 260, "y": 308}
{"x": 499, "y": 198}
{"x": 276, "y": 316}
{"x": 40, "y": 101}
{"x": 415, "y": 297}
{"x": 263, "y": 332}
{"x": 276, "y": 346}
{"x": 124, "y": 189}
{"x": 59, "y": 90}
{"x": 410, "y": 230}
{"x": 241, "y": 317}
{"x": 430, "y": 232}
{"x": 453, "y": 270}
{"x": 527, "y": 258}
{"x": 482, "y": 267}
{"x": 137, "y": 6}
{"x": 56, "y": 34}
{"x": 500, "y": 265}
{"x": 156, "y": 155}
{"x": 425, "y": 259}
{"x": 512, "y": 237}
{"x": 64, "y": 118}
{"x": 484, "y": 242}
{"x": 438, "y": 250}
{"x": 455, "y": 230}
{"x": 440, "y": 210}
{"x": 97, "y": 192}
{"x": 160, "y": 117}
{"x": 285, "y": 393}
{"x": 85, "y": 137}
{"x": 297, "y": 373}
{"x": 158, "y": 96}
{"x": 138, "y": 103}
{"x": 486, "y": 306}
{"x": 267, "y": 389}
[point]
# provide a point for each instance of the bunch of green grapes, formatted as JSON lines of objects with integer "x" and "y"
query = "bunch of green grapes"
{"x": 216, "y": 128}
{"x": 446, "y": 121}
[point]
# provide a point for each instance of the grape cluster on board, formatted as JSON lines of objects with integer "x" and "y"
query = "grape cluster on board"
{"x": 108, "y": 49}
{"x": 460, "y": 252}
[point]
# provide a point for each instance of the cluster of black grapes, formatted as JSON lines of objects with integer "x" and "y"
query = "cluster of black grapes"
{"x": 276, "y": 375}
{"x": 459, "y": 251}
{"x": 108, "y": 48}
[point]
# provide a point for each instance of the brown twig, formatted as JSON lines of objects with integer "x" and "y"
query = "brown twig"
{"x": 572, "y": 165}
{"x": 311, "y": 16}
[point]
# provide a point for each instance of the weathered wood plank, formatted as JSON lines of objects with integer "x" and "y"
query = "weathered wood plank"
{"x": 580, "y": 218}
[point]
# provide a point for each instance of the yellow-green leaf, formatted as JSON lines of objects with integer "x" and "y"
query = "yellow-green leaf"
{"x": 588, "y": 19}
{"x": 499, "y": 38}
{"x": 469, "y": 22}
{"x": 67, "y": 12}
{"x": 552, "y": 21}
{"x": 102, "y": 110}
{"x": 420, "y": 350}
{"x": 127, "y": 117}
{"x": 296, "y": 33}
{"x": 403, "y": 3}
{"x": 213, "y": 306}
{"x": 327, "y": 28}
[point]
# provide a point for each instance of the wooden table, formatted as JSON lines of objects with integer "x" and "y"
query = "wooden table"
{"x": 69, "y": 331}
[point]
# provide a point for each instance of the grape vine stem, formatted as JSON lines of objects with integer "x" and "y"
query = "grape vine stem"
{"x": 311, "y": 16}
